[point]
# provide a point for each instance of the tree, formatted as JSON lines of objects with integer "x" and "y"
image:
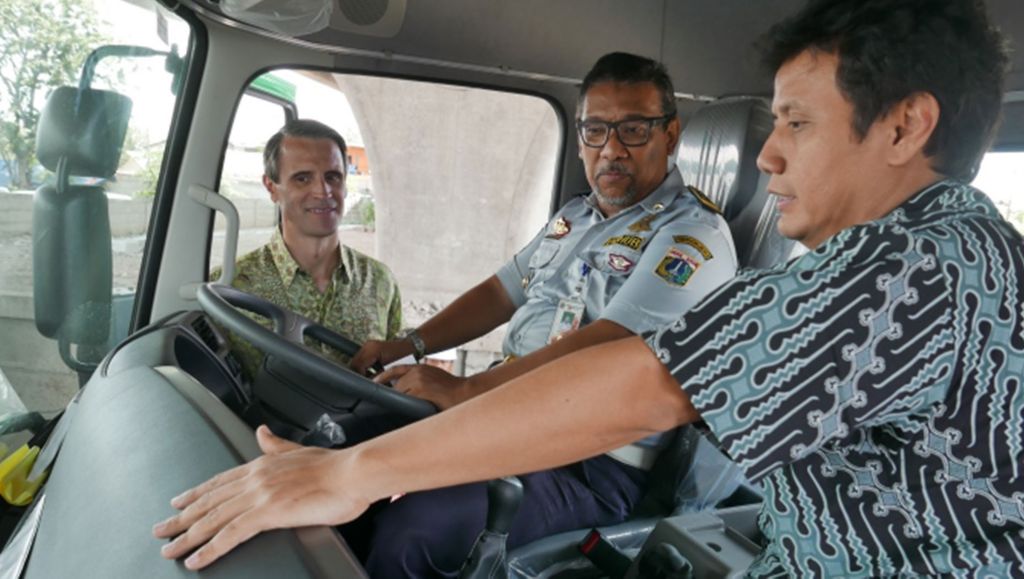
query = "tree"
{"x": 42, "y": 45}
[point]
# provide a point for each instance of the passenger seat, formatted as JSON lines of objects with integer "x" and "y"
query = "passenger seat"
{"x": 718, "y": 154}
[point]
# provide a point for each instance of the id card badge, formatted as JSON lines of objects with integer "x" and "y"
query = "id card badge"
{"x": 568, "y": 317}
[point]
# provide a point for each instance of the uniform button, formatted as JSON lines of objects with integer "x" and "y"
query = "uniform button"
{"x": 658, "y": 206}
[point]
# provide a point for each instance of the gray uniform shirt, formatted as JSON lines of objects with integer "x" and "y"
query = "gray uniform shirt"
{"x": 642, "y": 268}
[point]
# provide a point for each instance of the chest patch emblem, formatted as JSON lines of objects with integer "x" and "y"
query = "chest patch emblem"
{"x": 630, "y": 241}
{"x": 560, "y": 228}
{"x": 676, "y": 267}
{"x": 620, "y": 262}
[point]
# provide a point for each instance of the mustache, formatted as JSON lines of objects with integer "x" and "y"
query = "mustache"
{"x": 614, "y": 167}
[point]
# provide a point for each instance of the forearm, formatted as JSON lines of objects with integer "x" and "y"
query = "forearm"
{"x": 598, "y": 332}
{"x": 586, "y": 403}
{"x": 607, "y": 395}
{"x": 471, "y": 315}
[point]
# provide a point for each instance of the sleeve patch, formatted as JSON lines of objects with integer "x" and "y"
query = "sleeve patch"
{"x": 694, "y": 243}
{"x": 676, "y": 267}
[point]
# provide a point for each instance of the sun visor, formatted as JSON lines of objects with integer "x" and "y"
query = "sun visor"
{"x": 289, "y": 17}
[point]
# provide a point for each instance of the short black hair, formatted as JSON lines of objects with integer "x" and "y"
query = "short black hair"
{"x": 889, "y": 50}
{"x": 298, "y": 128}
{"x": 630, "y": 68}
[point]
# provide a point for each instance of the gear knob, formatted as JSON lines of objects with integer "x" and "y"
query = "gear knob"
{"x": 503, "y": 498}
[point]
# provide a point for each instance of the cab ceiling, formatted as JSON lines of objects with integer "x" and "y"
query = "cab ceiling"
{"x": 706, "y": 44}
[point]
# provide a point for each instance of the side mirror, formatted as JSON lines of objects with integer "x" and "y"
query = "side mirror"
{"x": 81, "y": 134}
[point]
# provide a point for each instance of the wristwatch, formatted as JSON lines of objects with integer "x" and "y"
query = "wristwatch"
{"x": 418, "y": 346}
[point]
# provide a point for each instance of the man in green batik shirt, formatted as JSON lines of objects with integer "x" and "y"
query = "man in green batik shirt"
{"x": 304, "y": 267}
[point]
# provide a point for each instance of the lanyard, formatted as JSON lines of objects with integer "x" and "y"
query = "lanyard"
{"x": 581, "y": 284}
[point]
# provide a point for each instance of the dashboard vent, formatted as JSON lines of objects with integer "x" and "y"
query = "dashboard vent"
{"x": 205, "y": 332}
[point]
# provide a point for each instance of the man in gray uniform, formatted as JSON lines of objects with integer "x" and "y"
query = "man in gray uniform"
{"x": 635, "y": 254}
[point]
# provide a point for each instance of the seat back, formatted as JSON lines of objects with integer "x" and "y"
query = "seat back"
{"x": 718, "y": 154}
{"x": 80, "y": 134}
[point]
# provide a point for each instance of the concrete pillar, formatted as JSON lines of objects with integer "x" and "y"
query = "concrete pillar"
{"x": 462, "y": 179}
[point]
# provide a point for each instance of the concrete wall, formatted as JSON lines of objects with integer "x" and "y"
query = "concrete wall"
{"x": 30, "y": 361}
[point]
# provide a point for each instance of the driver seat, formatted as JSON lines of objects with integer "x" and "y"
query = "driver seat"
{"x": 717, "y": 154}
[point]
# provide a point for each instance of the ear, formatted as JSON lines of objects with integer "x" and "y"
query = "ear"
{"x": 271, "y": 188}
{"x": 912, "y": 123}
{"x": 672, "y": 131}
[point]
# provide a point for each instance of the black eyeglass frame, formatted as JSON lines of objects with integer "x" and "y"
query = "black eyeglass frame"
{"x": 614, "y": 126}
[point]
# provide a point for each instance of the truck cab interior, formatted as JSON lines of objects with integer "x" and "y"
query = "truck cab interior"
{"x": 464, "y": 116}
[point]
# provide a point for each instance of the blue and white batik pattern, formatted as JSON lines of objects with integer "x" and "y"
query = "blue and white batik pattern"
{"x": 874, "y": 387}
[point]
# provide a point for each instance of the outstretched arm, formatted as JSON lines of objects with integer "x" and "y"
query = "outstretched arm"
{"x": 476, "y": 312}
{"x": 445, "y": 390}
{"x": 608, "y": 395}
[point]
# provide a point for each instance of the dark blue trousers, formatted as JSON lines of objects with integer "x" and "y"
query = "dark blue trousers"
{"x": 429, "y": 534}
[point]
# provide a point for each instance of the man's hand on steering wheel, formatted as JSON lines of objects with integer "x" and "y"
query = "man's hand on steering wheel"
{"x": 226, "y": 305}
{"x": 429, "y": 383}
{"x": 380, "y": 352}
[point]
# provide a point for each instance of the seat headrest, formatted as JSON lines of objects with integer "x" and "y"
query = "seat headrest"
{"x": 719, "y": 147}
{"x": 87, "y": 127}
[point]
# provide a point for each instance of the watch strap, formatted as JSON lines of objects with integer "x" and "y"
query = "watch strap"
{"x": 419, "y": 347}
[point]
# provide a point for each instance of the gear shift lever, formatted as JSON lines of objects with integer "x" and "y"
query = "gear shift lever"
{"x": 487, "y": 558}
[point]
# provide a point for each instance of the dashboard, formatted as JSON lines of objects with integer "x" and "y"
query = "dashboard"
{"x": 156, "y": 419}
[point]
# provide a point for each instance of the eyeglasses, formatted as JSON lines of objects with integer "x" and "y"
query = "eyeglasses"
{"x": 631, "y": 132}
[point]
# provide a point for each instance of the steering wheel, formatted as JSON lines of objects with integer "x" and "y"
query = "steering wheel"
{"x": 225, "y": 304}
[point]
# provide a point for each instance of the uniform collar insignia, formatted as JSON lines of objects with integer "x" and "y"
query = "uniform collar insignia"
{"x": 644, "y": 224}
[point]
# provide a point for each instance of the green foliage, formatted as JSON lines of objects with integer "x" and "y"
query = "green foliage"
{"x": 362, "y": 213}
{"x": 150, "y": 173}
{"x": 42, "y": 45}
{"x": 369, "y": 216}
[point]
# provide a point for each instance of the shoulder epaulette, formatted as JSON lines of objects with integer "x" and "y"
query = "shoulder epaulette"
{"x": 704, "y": 199}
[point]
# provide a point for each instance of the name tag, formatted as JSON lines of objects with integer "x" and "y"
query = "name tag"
{"x": 567, "y": 318}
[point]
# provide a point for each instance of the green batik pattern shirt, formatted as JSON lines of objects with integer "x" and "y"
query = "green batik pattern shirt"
{"x": 362, "y": 301}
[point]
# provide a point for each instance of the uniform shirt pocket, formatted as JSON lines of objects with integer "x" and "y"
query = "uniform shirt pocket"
{"x": 545, "y": 253}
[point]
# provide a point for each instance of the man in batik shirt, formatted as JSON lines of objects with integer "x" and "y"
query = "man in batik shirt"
{"x": 873, "y": 385}
{"x": 304, "y": 267}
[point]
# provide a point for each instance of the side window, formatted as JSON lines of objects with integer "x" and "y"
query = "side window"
{"x": 258, "y": 116}
{"x": 444, "y": 183}
{"x": 1000, "y": 177}
{"x": 71, "y": 241}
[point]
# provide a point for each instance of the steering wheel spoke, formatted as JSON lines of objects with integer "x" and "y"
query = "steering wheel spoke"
{"x": 226, "y": 304}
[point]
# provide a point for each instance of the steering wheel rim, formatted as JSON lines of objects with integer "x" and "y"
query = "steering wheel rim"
{"x": 224, "y": 304}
